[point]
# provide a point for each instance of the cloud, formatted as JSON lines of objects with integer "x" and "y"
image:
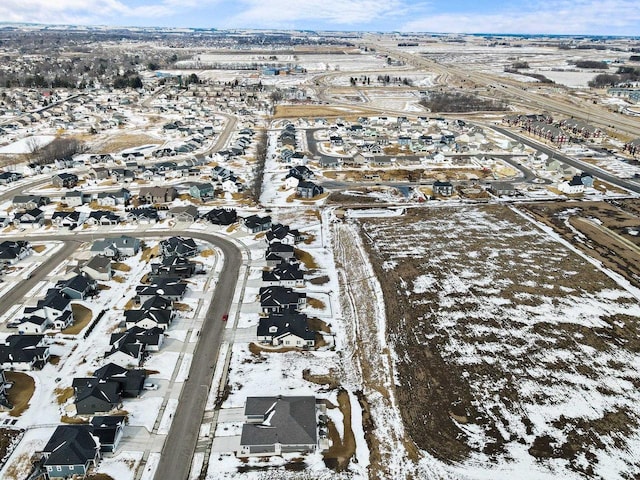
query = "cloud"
{"x": 608, "y": 17}
{"x": 91, "y": 12}
{"x": 305, "y": 13}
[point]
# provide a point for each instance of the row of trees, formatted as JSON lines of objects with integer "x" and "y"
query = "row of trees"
{"x": 623, "y": 75}
{"x": 460, "y": 102}
{"x": 60, "y": 147}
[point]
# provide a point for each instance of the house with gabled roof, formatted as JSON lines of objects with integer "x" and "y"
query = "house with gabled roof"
{"x": 277, "y": 425}
{"x": 174, "y": 266}
{"x": 186, "y": 213}
{"x": 98, "y": 268}
{"x": 283, "y": 234}
{"x": 74, "y": 198}
{"x": 256, "y": 224}
{"x": 93, "y": 395}
{"x": 127, "y": 355}
{"x": 202, "y": 191}
{"x": 72, "y": 450}
{"x": 442, "y": 188}
{"x": 123, "y": 246}
{"x": 277, "y": 252}
{"x": 281, "y": 299}
{"x": 306, "y": 189}
{"x": 78, "y": 287}
{"x": 109, "y": 431}
{"x": 148, "y": 319}
{"x": 13, "y": 251}
{"x": 103, "y": 217}
{"x": 5, "y": 404}
{"x": 170, "y": 288}
{"x": 288, "y": 329}
{"x": 222, "y": 216}
{"x": 178, "y": 246}
{"x": 131, "y": 380}
{"x": 157, "y": 194}
{"x": 284, "y": 275}
{"x": 64, "y": 180}
{"x": 68, "y": 219}
{"x": 24, "y": 352}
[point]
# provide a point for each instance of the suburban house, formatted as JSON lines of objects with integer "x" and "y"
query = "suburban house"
{"x": 109, "y": 430}
{"x": 178, "y": 246}
{"x": 187, "y": 213}
{"x": 503, "y": 188}
{"x": 5, "y": 404}
{"x": 202, "y": 191}
{"x": 284, "y": 275}
{"x": 73, "y": 198}
{"x": 93, "y": 395}
{"x": 150, "y": 338}
{"x": 306, "y": 189}
{"x": 278, "y": 252}
{"x": 277, "y": 425}
{"x": 288, "y": 329}
{"x": 131, "y": 381}
{"x": 174, "y": 266}
{"x": 126, "y": 355}
{"x": 147, "y": 319}
{"x": 122, "y": 246}
{"x": 143, "y": 215}
{"x": 64, "y": 180}
{"x": 71, "y": 451}
{"x": 103, "y": 217}
{"x": 68, "y": 219}
{"x": 78, "y": 287}
{"x": 24, "y": 352}
{"x": 170, "y": 288}
{"x": 256, "y": 224}
{"x": 30, "y": 217}
{"x": 9, "y": 177}
{"x": 573, "y": 186}
{"x": 222, "y": 216}
{"x": 281, "y": 299}
{"x": 283, "y": 234}
{"x": 442, "y": 188}
{"x": 13, "y": 251}
{"x": 157, "y": 194}
{"x": 98, "y": 268}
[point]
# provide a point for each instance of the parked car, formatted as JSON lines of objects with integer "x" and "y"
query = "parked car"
{"x": 150, "y": 386}
{"x": 225, "y": 317}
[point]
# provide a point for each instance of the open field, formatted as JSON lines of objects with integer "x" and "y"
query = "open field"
{"x": 512, "y": 352}
{"x": 599, "y": 229}
{"x": 294, "y": 111}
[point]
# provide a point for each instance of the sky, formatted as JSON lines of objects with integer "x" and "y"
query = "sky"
{"x": 581, "y": 17}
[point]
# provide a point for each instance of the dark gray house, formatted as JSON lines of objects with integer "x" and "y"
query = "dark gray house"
{"x": 71, "y": 450}
{"x": 277, "y": 425}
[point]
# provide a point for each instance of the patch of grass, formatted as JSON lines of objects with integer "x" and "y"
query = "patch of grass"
{"x": 19, "y": 395}
{"x": 316, "y": 303}
{"x": 207, "y": 253}
{"x": 232, "y": 228}
{"x": 257, "y": 349}
{"x": 63, "y": 394}
{"x": 309, "y": 238}
{"x": 81, "y": 318}
{"x": 99, "y": 476}
{"x": 121, "y": 267}
{"x": 118, "y": 278}
{"x": 306, "y": 258}
{"x": 102, "y": 286}
{"x": 149, "y": 253}
{"x": 126, "y": 140}
{"x": 330, "y": 379}
{"x": 182, "y": 307}
{"x": 318, "y": 325}
{"x": 129, "y": 305}
{"x": 321, "y": 280}
{"x": 38, "y": 248}
{"x": 54, "y": 359}
{"x": 72, "y": 420}
{"x": 342, "y": 449}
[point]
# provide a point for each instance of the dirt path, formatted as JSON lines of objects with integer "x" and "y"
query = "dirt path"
{"x": 393, "y": 454}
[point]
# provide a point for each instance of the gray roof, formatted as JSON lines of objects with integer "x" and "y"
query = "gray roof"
{"x": 287, "y": 420}
{"x": 99, "y": 263}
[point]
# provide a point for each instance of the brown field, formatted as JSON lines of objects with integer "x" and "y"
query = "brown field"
{"x": 298, "y": 111}
{"x": 597, "y": 228}
{"x": 124, "y": 141}
{"x": 20, "y": 393}
{"x": 496, "y": 348}
{"x": 342, "y": 449}
{"x": 81, "y": 318}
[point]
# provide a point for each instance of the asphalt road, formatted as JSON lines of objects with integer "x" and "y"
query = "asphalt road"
{"x": 181, "y": 441}
{"x": 17, "y": 293}
{"x": 553, "y": 153}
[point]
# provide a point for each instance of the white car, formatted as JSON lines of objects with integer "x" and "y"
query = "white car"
{"x": 150, "y": 386}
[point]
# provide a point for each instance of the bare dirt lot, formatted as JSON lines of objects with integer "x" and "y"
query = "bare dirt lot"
{"x": 598, "y": 228}
{"x": 512, "y": 352}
